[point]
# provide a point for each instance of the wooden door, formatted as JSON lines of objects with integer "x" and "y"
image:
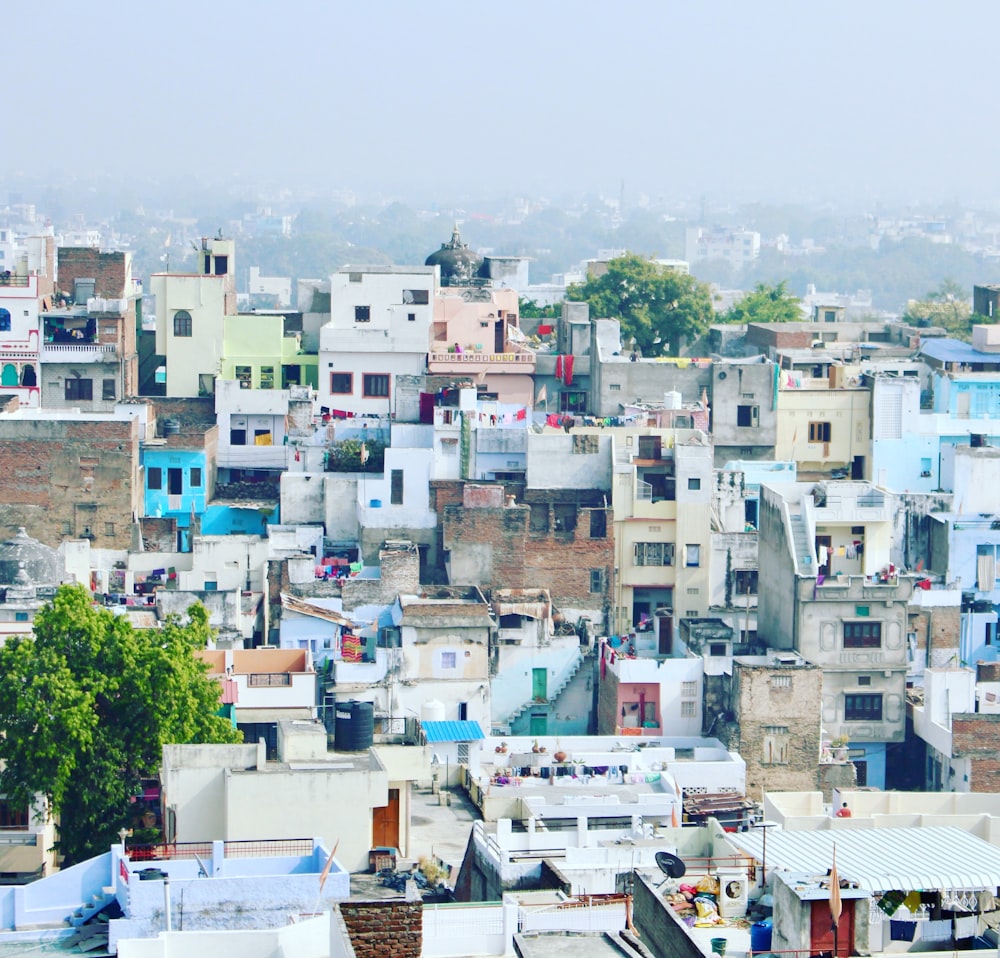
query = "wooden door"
{"x": 821, "y": 929}
{"x": 385, "y": 823}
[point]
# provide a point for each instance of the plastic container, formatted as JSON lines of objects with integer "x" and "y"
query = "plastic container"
{"x": 719, "y": 946}
{"x": 760, "y": 935}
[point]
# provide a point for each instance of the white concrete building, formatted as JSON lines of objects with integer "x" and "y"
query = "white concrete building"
{"x": 379, "y": 328}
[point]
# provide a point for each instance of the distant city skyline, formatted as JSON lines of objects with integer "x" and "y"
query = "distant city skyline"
{"x": 776, "y": 101}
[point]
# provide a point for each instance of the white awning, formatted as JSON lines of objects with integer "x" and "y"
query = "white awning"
{"x": 250, "y": 716}
{"x": 882, "y": 859}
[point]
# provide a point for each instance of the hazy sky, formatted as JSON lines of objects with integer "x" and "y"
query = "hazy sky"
{"x": 788, "y": 100}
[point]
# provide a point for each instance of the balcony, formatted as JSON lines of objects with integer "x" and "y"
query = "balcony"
{"x": 853, "y": 588}
{"x": 78, "y": 352}
{"x": 253, "y": 457}
{"x": 853, "y": 504}
{"x": 476, "y": 361}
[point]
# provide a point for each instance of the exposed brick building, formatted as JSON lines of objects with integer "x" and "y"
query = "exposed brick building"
{"x": 379, "y": 928}
{"x": 71, "y": 477}
{"x": 976, "y": 737}
{"x": 558, "y": 540}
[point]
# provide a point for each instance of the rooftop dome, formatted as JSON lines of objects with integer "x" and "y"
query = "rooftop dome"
{"x": 459, "y": 265}
{"x": 22, "y": 554}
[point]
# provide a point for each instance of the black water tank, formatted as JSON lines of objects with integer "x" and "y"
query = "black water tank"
{"x": 152, "y": 874}
{"x": 171, "y": 427}
{"x": 977, "y": 440}
{"x": 355, "y": 726}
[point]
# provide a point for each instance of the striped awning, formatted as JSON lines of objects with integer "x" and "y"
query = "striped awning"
{"x": 882, "y": 859}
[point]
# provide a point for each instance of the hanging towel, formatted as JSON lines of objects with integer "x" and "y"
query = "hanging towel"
{"x": 966, "y": 927}
{"x": 902, "y": 930}
{"x": 559, "y": 364}
{"x": 934, "y": 930}
{"x": 568, "y": 371}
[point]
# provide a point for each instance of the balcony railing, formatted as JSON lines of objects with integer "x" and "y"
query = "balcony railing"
{"x": 7, "y": 278}
{"x": 519, "y": 360}
{"x": 78, "y": 352}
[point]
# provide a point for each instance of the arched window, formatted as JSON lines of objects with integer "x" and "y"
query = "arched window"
{"x": 28, "y": 376}
{"x": 182, "y": 323}
{"x": 4, "y": 320}
{"x": 9, "y": 375}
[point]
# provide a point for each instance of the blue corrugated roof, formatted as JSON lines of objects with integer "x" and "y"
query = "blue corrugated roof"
{"x": 955, "y": 351}
{"x": 452, "y": 731}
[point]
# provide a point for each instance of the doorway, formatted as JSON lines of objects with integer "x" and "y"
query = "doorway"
{"x": 540, "y": 685}
{"x": 385, "y": 822}
{"x": 824, "y": 547}
{"x": 539, "y": 724}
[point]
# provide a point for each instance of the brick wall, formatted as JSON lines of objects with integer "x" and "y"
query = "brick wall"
{"x": 607, "y": 705}
{"x": 108, "y": 269}
{"x": 65, "y": 478}
{"x": 988, "y": 671}
{"x": 977, "y": 737}
{"x": 936, "y": 627}
{"x": 558, "y": 560}
{"x": 380, "y": 928}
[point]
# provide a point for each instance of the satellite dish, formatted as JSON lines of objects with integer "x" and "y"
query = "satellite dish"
{"x": 670, "y": 865}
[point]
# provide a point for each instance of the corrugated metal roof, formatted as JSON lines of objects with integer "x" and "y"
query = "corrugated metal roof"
{"x": 883, "y": 859}
{"x": 955, "y": 351}
{"x": 452, "y": 731}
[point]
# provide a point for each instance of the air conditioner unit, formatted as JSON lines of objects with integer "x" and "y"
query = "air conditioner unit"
{"x": 733, "y": 893}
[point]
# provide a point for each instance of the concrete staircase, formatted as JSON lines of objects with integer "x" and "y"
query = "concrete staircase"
{"x": 554, "y": 695}
{"x": 85, "y": 912}
{"x": 803, "y": 548}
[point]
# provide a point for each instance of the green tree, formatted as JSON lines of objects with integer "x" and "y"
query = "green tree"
{"x": 944, "y": 306}
{"x": 529, "y": 309}
{"x": 765, "y": 304}
{"x": 656, "y": 306}
{"x": 86, "y": 706}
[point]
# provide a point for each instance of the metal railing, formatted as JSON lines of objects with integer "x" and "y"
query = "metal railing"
{"x": 268, "y": 848}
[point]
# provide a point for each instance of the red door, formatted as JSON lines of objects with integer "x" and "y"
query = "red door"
{"x": 821, "y": 930}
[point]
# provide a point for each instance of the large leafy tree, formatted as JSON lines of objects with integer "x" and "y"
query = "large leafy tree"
{"x": 86, "y": 705}
{"x": 765, "y": 304}
{"x": 946, "y": 307}
{"x": 656, "y": 306}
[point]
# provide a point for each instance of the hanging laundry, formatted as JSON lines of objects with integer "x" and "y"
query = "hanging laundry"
{"x": 559, "y": 367}
{"x": 568, "y": 370}
{"x": 521, "y": 414}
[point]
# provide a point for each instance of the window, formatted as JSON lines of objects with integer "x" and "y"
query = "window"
{"x": 416, "y": 297}
{"x": 862, "y": 708}
{"x": 653, "y": 553}
{"x": 4, "y": 320}
{"x": 689, "y": 690}
{"x": 463, "y": 751}
{"x": 689, "y": 709}
{"x": 182, "y": 323}
{"x": 341, "y": 384}
{"x": 781, "y": 681}
{"x": 20, "y": 616}
{"x": 175, "y": 482}
{"x": 221, "y": 265}
{"x": 396, "y": 487}
{"x": 925, "y": 468}
{"x": 775, "y": 745}
{"x": 411, "y": 317}
{"x": 819, "y": 432}
{"x": 598, "y": 524}
{"x": 829, "y": 316}
{"x": 864, "y": 680}
{"x": 268, "y": 679}
{"x": 267, "y": 377}
{"x": 354, "y": 277}
{"x": 79, "y": 389}
{"x": 649, "y": 447}
{"x": 244, "y": 376}
{"x": 449, "y": 660}
{"x": 154, "y": 478}
{"x": 745, "y": 582}
{"x": 717, "y": 648}
{"x": 862, "y": 635}
{"x": 195, "y": 479}
{"x": 694, "y": 590}
{"x": 362, "y": 314}
{"x": 573, "y": 402}
{"x": 375, "y": 385}
{"x": 596, "y": 580}
{"x": 748, "y": 417}
{"x": 692, "y": 555}
{"x": 694, "y": 482}
{"x": 615, "y": 387}
{"x": 109, "y": 528}
{"x": 237, "y": 437}
{"x": 107, "y": 389}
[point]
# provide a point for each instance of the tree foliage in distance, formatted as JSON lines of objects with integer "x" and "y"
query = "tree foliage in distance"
{"x": 86, "y": 706}
{"x": 529, "y": 309}
{"x": 656, "y": 306}
{"x": 765, "y": 304}
{"x": 946, "y": 307}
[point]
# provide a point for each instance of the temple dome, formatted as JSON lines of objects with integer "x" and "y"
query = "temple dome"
{"x": 22, "y": 556}
{"x": 459, "y": 265}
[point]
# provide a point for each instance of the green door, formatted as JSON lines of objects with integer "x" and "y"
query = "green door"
{"x": 539, "y": 725}
{"x": 540, "y": 685}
